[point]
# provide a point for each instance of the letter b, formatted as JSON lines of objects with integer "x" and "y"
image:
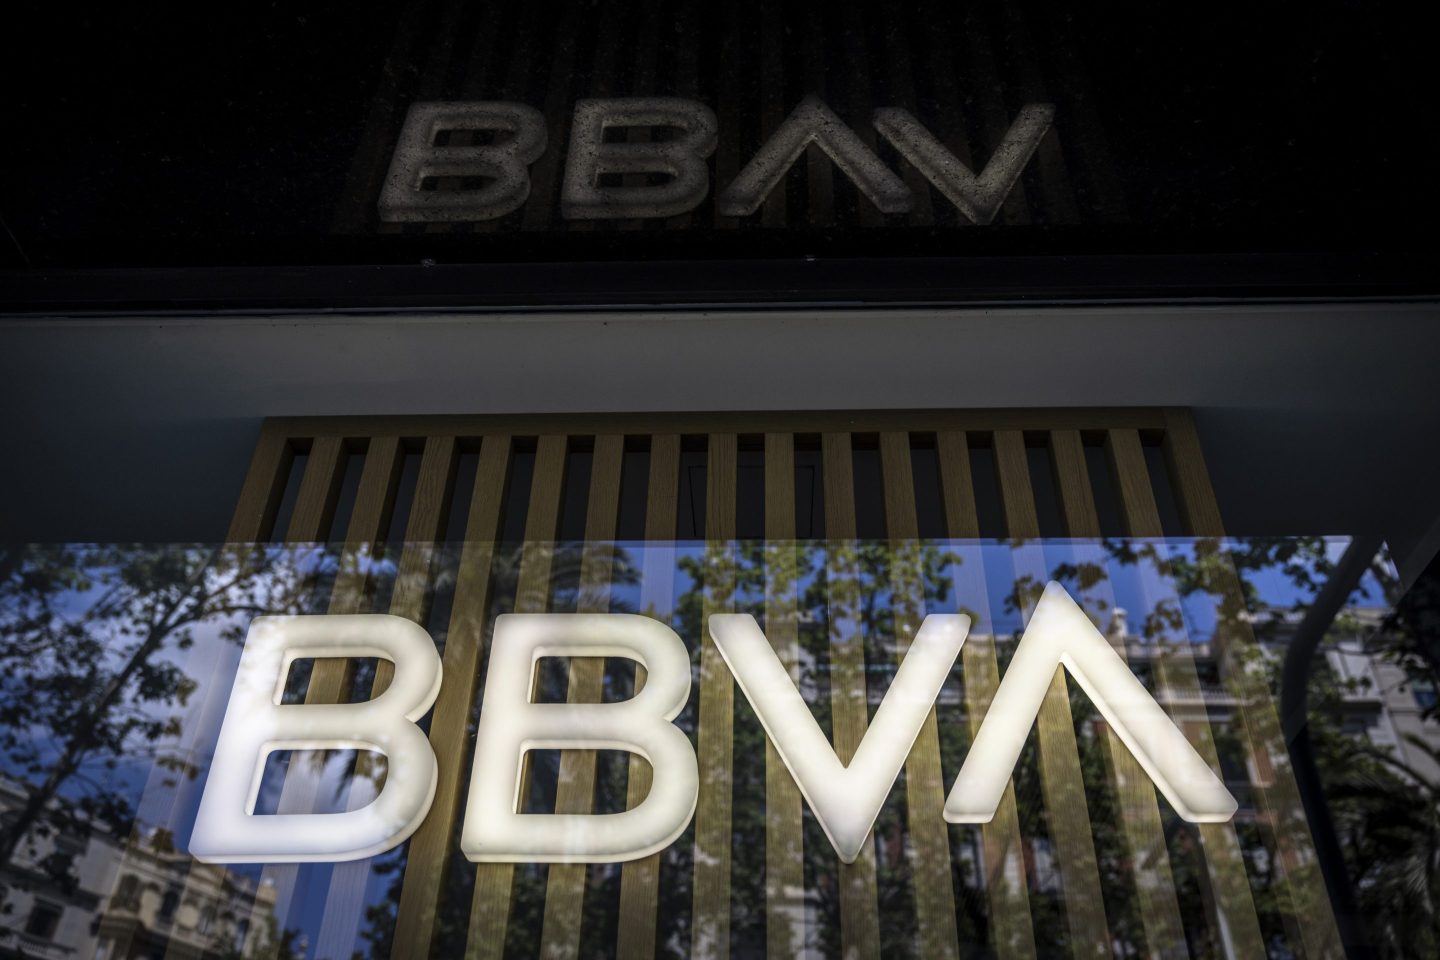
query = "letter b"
{"x": 510, "y": 725}
{"x": 257, "y": 723}
{"x": 681, "y": 160}
{"x": 504, "y": 165}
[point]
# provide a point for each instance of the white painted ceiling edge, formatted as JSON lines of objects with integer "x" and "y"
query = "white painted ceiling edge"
{"x": 1316, "y": 418}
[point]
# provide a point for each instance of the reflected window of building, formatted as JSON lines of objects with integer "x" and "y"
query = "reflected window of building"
{"x": 169, "y": 904}
{"x": 127, "y": 895}
{"x": 43, "y": 921}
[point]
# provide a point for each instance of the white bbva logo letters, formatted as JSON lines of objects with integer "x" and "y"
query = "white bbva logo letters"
{"x": 845, "y": 799}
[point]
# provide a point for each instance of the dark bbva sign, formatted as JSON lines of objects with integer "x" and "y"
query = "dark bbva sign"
{"x": 678, "y": 160}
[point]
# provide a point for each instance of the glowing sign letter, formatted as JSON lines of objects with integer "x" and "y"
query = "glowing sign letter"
{"x": 846, "y": 800}
{"x": 417, "y": 159}
{"x": 510, "y": 725}
{"x": 256, "y": 723}
{"x": 813, "y": 122}
{"x": 979, "y": 198}
{"x": 681, "y": 160}
{"x": 1058, "y": 634}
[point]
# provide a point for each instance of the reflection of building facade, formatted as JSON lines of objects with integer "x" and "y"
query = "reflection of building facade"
{"x": 128, "y": 900}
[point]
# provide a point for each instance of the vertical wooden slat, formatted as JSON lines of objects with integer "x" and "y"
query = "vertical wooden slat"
{"x": 849, "y": 709}
{"x": 1224, "y": 860}
{"x": 639, "y": 879}
{"x": 494, "y": 882}
{"x": 575, "y": 791}
{"x": 784, "y": 838}
{"x": 263, "y": 488}
{"x": 1140, "y": 823}
{"x": 924, "y": 780}
{"x": 319, "y": 489}
{"x": 1061, "y": 779}
{"x": 427, "y": 863}
{"x": 345, "y": 898}
{"x": 710, "y": 916}
{"x": 1194, "y": 496}
{"x": 1012, "y": 930}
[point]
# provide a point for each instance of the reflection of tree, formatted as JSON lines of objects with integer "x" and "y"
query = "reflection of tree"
{"x": 1386, "y": 813}
{"x": 87, "y": 679}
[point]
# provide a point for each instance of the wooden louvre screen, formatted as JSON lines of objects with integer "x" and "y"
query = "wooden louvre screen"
{"x": 1140, "y": 469}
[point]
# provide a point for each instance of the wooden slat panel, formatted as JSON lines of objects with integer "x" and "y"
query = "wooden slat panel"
{"x": 575, "y": 792}
{"x": 264, "y": 486}
{"x": 345, "y": 898}
{"x": 1282, "y": 810}
{"x": 1223, "y": 857}
{"x": 1012, "y": 930}
{"x": 849, "y": 709}
{"x": 494, "y": 882}
{"x": 924, "y": 780}
{"x": 640, "y": 879}
{"x": 1140, "y": 823}
{"x": 1061, "y": 778}
{"x": 784, "y": 836}
{"x": 710, "y": 916}
{"x": 319, "y": 489}
{"x": 427, "y": 863}
{"x": 1194, "y": 496}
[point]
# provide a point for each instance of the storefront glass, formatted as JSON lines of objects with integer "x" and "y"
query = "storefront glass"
{"x": 123, "y": 658}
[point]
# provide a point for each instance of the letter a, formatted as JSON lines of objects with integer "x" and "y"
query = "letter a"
{"x": 510, "y": 724}
{"x": 813, "y": 122}
{"x": 1058, "y": 634}
{"x": 257, "y": 723}
{"x": 846, "y": 799}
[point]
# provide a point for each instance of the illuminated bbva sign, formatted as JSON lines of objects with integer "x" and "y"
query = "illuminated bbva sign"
{"x": 846, "y": 799}
{"x": 677, "y": 160}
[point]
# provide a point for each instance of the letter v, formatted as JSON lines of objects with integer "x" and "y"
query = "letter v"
{"x": 1059, "y": 633}
{"x": 846, "y": 799}
{"x": 978, "y": 197}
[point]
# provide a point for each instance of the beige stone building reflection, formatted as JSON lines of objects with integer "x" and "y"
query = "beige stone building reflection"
{"x": 130, "y": 900}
